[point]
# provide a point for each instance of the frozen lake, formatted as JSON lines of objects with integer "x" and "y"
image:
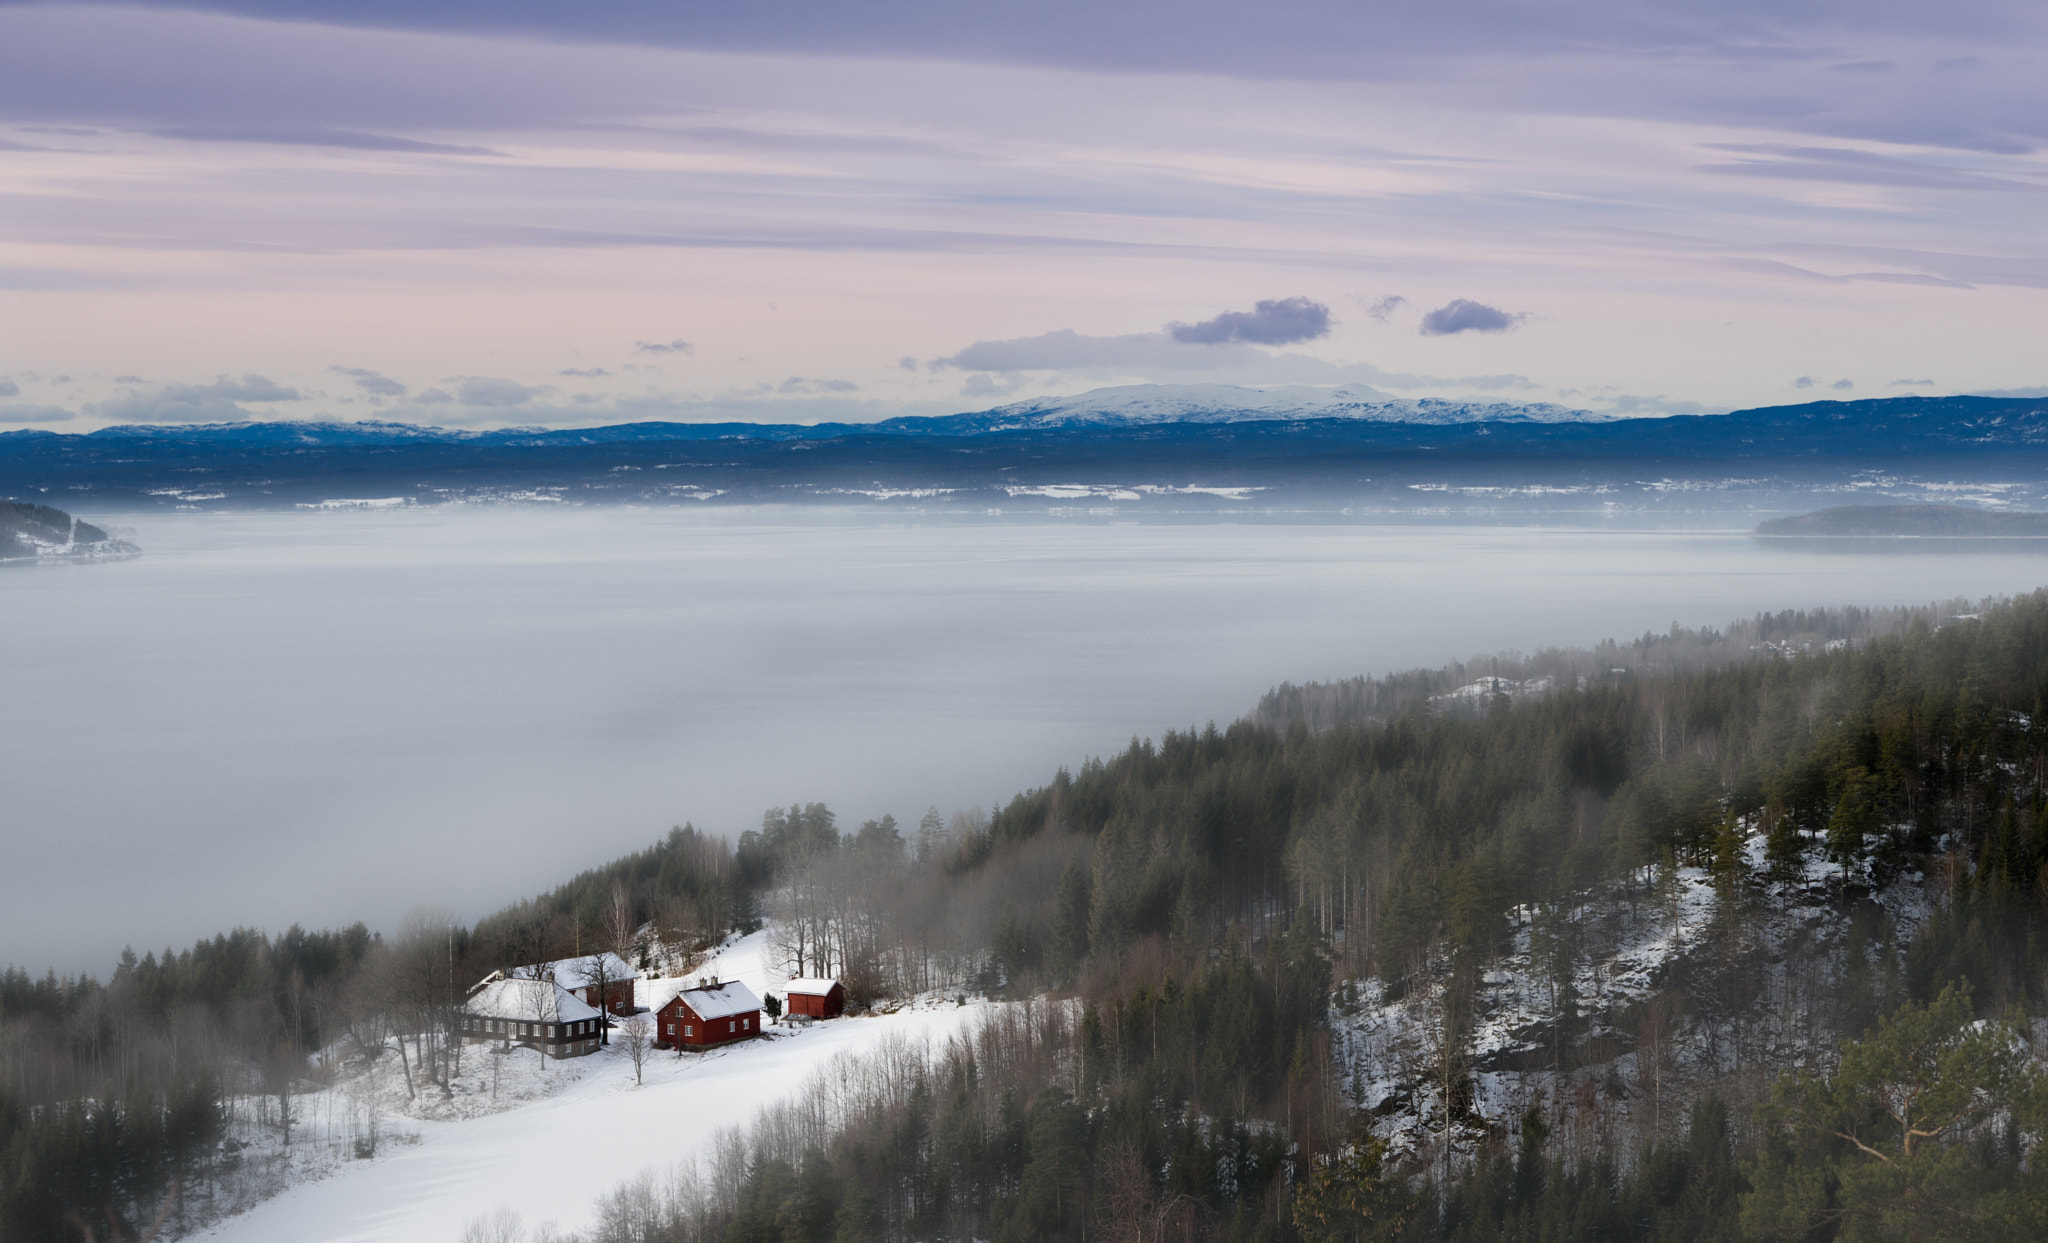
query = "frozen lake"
{"x": 323, "y": 717}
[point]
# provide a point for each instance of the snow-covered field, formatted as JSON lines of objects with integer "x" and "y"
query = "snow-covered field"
{"x": 556, "y": 1138}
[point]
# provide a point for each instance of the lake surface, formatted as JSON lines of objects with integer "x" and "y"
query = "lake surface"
{"x": 323, "y": 717}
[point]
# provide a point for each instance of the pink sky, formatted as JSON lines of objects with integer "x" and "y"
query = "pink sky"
{"x": 442, "y": 219}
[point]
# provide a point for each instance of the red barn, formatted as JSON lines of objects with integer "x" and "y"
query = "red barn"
{"x": 696, "y": 1015}
{"x": 820, "y": 999}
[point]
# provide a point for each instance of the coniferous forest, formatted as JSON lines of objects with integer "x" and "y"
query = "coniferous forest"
{"x": 1256, "y": 966}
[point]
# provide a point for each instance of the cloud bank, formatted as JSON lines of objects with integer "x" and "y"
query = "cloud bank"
{"x": 1281, "y": 321}
{"x": 1464, "y": 315}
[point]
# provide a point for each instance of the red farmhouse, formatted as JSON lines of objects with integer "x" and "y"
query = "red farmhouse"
{"x": 820, "y": 999}
{"x": 694, "y": 1016}
{"x": 580, "y": 976}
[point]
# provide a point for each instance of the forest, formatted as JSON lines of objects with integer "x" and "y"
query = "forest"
{"x": 28, "y": 530}
{"x": 1192, "y": 930}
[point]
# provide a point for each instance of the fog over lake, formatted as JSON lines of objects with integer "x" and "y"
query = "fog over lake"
{"x": 324, "y": 717}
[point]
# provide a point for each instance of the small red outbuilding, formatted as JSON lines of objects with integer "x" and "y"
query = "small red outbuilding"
{"x": 819, "y": 999}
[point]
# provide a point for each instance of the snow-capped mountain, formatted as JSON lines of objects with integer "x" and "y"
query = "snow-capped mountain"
{"x": 1135, "y": 405}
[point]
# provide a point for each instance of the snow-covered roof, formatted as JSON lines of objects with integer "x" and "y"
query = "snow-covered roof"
{"x": 810, "y": 986}
{"x": 580, "y": 972}
{"x": 528, "y": 1001}
{"x": 708, "y": 1002}
{"x": 654, "y": 994}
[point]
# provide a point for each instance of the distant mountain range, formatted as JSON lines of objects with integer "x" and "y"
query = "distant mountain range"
{"x": 1127, "y": 406}
{"x": 1141, "y": 405}
{"x": 1212, "y": 445}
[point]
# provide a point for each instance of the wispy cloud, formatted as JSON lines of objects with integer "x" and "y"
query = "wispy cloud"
{"x": 317, "y": 136}
{"x": 371, "y": 382}
{"x": 1382, "y": 308}
{"x": 220, "y": 401}
{"x": 662, "y": 347}
{"x": 11, "y": 412}
{"x": 798, "y": 386}
{"x": 488, "y": 391}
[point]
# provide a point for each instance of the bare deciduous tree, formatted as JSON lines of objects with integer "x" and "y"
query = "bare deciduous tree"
{"x": 620, "y": 927}
{"x": 637, "y": 1034}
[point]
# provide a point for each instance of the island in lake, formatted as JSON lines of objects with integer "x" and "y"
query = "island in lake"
{"x": 32, "y": 533}
{"x": 1902, "y": 521}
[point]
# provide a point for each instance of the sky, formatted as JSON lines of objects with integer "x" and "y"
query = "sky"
{"x": 516, "y": 213}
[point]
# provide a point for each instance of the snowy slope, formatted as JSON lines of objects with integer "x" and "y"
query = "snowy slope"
{"x": 550, "y": 1159}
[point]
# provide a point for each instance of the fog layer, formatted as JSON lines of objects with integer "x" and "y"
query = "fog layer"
{"x": 332, "y": 716}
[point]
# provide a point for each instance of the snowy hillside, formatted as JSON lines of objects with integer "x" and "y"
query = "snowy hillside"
{"x": 1618, "y": 1008}
{"x": 544, "y": 1139}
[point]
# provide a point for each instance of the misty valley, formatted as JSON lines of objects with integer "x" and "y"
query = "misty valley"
{"x": 1168, "y": 880}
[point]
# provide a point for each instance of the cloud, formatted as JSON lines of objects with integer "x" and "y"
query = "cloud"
{"x": 1846, "y": 165}
{"x": 1659, "y": 406}
{"x": 248, "y": 388}
{"x": 907, "y": 363}
{"x": 1805, "y": 381}
{"x": 1911, "y": 383}
{"x": 1063, "y": 349}
{"x": 1153, "y": 354}
{"x": 371, "y": 382}
{"x": 34, "y": 414}
{"x": 1774, "y": 267}
{"x": 663, "y": 347}
{"x": 477, "y": 390}
{"x": 1274, "y": 321}
{"x": 584, "y": 373}
{"x": 193, "y": 403}
{"x": 797, "y": 386}
{"x": 319, "y": 136}
{"x": 1465, "y": 315}
{"x": 1842, "y": 385}
{"x": 2031, "y": 390}
{"x": 1383, "y": 308}
{"x": 982, "y": 384}
{"x": 9, "y": 388}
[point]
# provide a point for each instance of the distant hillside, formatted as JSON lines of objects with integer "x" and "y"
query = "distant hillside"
{"x": 1888, "y": 521}
{"x": 30, "y": 532}
{"x": 1154, "y": 448}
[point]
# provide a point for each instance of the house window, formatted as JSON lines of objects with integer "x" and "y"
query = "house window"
{"x": 687, "y": 1030}
{"x": 732, "y": 1027}
{"x": 671, "y": 1029}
